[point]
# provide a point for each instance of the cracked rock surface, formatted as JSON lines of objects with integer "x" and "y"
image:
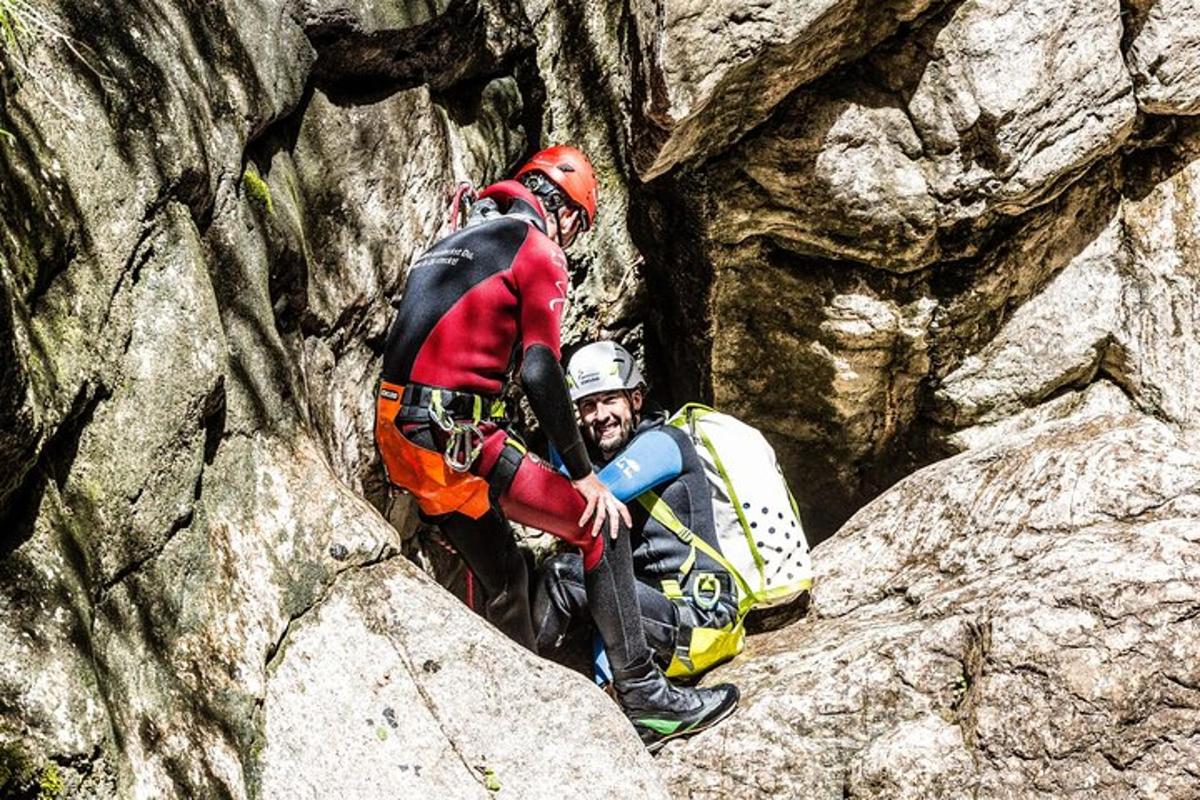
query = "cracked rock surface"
{"x": 1019, "y": 620}
{"x": 366, "y": 698}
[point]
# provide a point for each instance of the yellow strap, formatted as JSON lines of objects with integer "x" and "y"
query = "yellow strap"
{"x": 688, "y": 562}
{"x": 671, "y": 588}
{"x": 662, "y": 512}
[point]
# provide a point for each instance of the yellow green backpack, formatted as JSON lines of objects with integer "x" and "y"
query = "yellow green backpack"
{"x": 762, "y": 542}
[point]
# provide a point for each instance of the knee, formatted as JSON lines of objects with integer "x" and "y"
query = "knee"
{"x": 557, "y": 571}
{"x": 592, "y": 549}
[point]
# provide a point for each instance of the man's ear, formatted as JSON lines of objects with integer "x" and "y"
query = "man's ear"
{"x": 635, "y": 400}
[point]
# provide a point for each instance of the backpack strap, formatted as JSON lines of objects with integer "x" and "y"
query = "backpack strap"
{"x": 663, "y": 514}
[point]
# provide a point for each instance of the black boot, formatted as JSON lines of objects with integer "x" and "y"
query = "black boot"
{"x": 658, "y": 710}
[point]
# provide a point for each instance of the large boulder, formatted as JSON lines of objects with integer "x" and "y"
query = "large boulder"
{"x": 880, "y": 231}
{"x": 710, "y": 71}
{"x": 930, "y": 241}
{"x": 1019, "y": 620}
{"x": 196, "y": 331}
{"x": 369, "y": 47}
{"x": 365, "y": 699}
{"x": 980, "y": 113}
{"x": 1164, "y": 56}
{"x": 1122, "y": 306}
{"x": 83, "y": 189}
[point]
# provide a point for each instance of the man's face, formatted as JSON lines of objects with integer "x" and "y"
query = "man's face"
{"x": 608, "y": 419}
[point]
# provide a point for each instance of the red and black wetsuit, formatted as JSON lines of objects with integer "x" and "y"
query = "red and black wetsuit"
{"x": 478, "y": 302}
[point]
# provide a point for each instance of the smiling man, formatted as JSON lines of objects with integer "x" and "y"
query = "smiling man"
{"x": 680, "y": 589}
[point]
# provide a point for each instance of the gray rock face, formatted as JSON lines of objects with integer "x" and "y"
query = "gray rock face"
{"x": 713, "y": 70}
{"x": 1124, "y": 306}
{"x": 1164, "y": 57}
{"x": 365, "y": 699}
{"x": 971, "y": 158}
{"x": 197, "y": 329}
{"x": 364, "y": 45}
{"x": 981, "y": 113}
{"x": 1016, "y": 621}
{"x": 886, "y": 233}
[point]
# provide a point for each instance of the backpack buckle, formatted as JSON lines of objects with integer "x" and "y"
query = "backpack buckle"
{"x": 706, "y": 590}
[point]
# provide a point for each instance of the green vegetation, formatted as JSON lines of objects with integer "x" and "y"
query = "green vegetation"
{"x": 257, "y": 189}
{"x": 11, "y": 24}
{"x": 50, "y": 786}
{"x": 21, "y": 777}
{"x": 490, "y": 781}
{"x": 16, "y": 767}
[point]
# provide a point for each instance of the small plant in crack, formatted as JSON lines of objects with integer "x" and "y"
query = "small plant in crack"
{"x": 258, "y": 190}
{"x": 24, "y": 24}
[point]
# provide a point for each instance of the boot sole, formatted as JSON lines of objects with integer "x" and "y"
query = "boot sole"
{"x": 655, "y": 746}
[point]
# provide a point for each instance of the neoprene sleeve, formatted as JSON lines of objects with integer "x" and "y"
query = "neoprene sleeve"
{"x": 651, "y": 458}
{"x": 546, "y": 387}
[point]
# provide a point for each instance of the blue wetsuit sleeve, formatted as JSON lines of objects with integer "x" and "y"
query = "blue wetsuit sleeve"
{"x": 650, "y": 459}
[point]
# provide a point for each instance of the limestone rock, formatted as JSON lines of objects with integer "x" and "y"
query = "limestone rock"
{"x": 714, "y": 70}
{"x": 1016, "y": 620}
{"x": 1164, "y": 57}
{"x": 842, "y": 177}
{"x": 365, "y": 46}
{"x": 584, "y": 56}
{"x": 979, "y": 114}
{"x": 779, "y": 332}
{"x": 76, "y": 163}
{"x": 1123, "y": 307}
{"x": 365, "y": 699}
{"x": 863, "y": 223}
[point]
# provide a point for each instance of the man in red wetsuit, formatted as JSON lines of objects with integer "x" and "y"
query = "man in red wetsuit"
{"x": 484, "y": 302}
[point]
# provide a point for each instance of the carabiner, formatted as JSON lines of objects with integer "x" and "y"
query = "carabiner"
{"x": 463, "y": 447}
{"x": 438, "y": 413}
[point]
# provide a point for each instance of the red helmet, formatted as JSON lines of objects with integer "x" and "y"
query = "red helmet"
{"x": 569, "y": 170}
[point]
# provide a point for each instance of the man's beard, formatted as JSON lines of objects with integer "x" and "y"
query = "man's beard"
{"x": 617, "y": 444}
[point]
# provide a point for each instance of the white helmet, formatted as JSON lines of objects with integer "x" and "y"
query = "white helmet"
{"x": 602, "y": 367}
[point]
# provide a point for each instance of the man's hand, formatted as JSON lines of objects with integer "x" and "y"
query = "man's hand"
{"x": 602, "y": 504}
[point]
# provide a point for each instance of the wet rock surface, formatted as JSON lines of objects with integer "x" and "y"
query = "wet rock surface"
{"x": 950, "y": 244}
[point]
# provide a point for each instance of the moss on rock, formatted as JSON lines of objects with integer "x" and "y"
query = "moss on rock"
{"x": 258, "y": 190}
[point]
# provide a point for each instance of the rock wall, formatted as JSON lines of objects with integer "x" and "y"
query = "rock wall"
{"x": 207, "y": 210}
{"x": 870, "y": 240}
{"x": 889, "y": 234}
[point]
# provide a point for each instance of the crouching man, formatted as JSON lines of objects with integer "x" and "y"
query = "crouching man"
{"x": 688, "y": 601}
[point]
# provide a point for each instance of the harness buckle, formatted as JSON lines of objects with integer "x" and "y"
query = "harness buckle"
{"x": 438, "y": 413}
